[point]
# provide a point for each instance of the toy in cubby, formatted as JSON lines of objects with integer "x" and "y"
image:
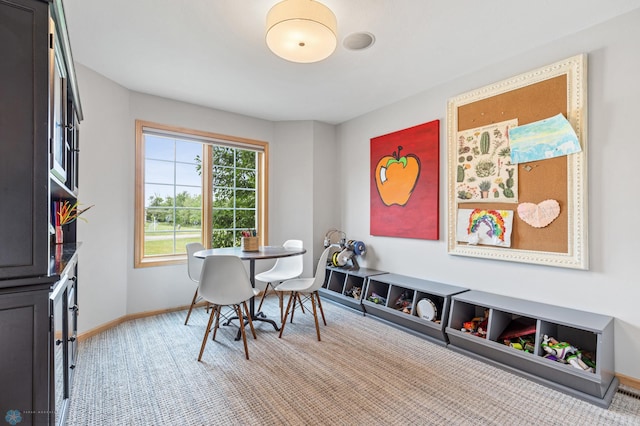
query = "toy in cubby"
{"x": 566, "y": 353}
{"x": 522, "y": 343}
{"x": 377, "y": 299}
{"x": 354, "y": 292}
{"x": 403, "y": 303}
{"x": 520, "y": 334}
{"x": 477, "y": 326}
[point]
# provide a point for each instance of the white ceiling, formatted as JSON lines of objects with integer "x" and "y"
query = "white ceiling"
{"x": 213, "y": 53}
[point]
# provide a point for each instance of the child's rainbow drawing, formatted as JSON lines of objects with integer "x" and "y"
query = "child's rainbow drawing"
{"x": 491, "y": 218}
{"x": 482, "y": 226}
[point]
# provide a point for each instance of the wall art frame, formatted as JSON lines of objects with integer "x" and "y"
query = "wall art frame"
{"x": 560, "y": 87}
{"x": 404, "y": 183}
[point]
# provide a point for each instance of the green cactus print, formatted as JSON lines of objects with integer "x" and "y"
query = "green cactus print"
{"x": 484, "y": 143}
{"x": 507, "y": 189}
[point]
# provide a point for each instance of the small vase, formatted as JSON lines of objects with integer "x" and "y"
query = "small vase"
{"x": 59, "y": 235}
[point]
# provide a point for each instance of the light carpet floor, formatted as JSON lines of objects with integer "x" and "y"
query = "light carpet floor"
{"x": 363, "y": 372}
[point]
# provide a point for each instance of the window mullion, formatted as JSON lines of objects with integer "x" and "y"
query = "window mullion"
{"x": 175, "y": 196}
{"x": 207, "y": 195}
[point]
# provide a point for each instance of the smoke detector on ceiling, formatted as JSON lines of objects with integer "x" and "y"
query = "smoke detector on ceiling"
{"x": 358, "y": 41}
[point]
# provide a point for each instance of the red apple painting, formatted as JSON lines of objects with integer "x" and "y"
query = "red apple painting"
{"x": 404, "y": 182}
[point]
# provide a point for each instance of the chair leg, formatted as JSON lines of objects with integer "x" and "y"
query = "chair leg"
{"x": 293, "y": 307}
{"x": 217, "y": 310}
{"x": 264, "y": 294}
{"x": 298, "y": 299}
{"x": 193, "y": 302}
{"x": 246, "y": 310}
{"x": 206, "y": 334}
{"x": 244, "y": 336}
{"x": 315, "y": 314}
{"x": 300, "y": 302}
{"x": 286, "y": 314}
{"x": 320, "y": 306}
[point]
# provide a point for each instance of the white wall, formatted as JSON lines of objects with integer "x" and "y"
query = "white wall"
{"x": 302, "y": 174}
{"x": 326, "y": 184}
{"x": 105, "y": 151}
{"x": 611, "y": 286}
{"x": 290, "y": 204}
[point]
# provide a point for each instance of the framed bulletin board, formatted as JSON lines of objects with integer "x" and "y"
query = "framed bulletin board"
{"x": 526, "y": 211}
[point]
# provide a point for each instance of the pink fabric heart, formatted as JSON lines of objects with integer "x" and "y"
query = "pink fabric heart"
{"x": 539, "y": 215}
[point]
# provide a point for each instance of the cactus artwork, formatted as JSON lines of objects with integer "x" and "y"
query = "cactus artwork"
{"x": 507, "y": 188}
{"x": 484, "y": 143}
{"x": 482, "y": 170}
{"x": 485, "y": 185}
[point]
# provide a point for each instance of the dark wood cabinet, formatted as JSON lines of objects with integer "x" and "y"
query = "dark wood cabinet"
{"x": 24, "y": 376}
{"x": 39, "y": 115}
{"x": 24, "y": 132}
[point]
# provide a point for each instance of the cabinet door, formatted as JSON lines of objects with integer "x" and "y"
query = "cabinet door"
{"x": 24, "y": 164}
{"x": 72, "y": 325}
{"x": 24, "y": 332}
{"x": 58, "y": 309}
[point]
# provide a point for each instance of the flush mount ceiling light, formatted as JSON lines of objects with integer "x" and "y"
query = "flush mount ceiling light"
{"x": 301, "y": 31}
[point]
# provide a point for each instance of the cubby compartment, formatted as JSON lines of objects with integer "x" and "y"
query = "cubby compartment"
{"x": 346, "y": 286}
{"x": 377, "y": 293}
{"x": 335, "y": 281}
{"x": 429, "y": 307}
{"x": 354, "y": 287}
{"x": 513, "y": 330}
{"x": 468, "y": 318}
{"x": 511, "y": 318}
{"x": 397, "y": 299}
{"x": 401, "y": 299}
{"x": 572, "y": 343}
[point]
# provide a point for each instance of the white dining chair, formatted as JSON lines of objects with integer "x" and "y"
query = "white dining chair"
{"x": 194, "y": 268}
{"x": 307, "y": 287}
{"x": 224, "y": 282}
{"x": 285, "y": 268}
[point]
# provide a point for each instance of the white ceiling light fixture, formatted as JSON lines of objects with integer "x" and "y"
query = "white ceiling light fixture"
{"x": 301, "y": 31}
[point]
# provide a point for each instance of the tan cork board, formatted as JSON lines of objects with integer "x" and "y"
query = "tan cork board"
{"x": 546, "y": 179}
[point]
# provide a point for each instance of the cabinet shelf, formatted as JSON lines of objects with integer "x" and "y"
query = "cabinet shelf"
{"x": 59, "y": 190}
{"x": 397, "y": 299}
{"x": 590, "y": 334}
